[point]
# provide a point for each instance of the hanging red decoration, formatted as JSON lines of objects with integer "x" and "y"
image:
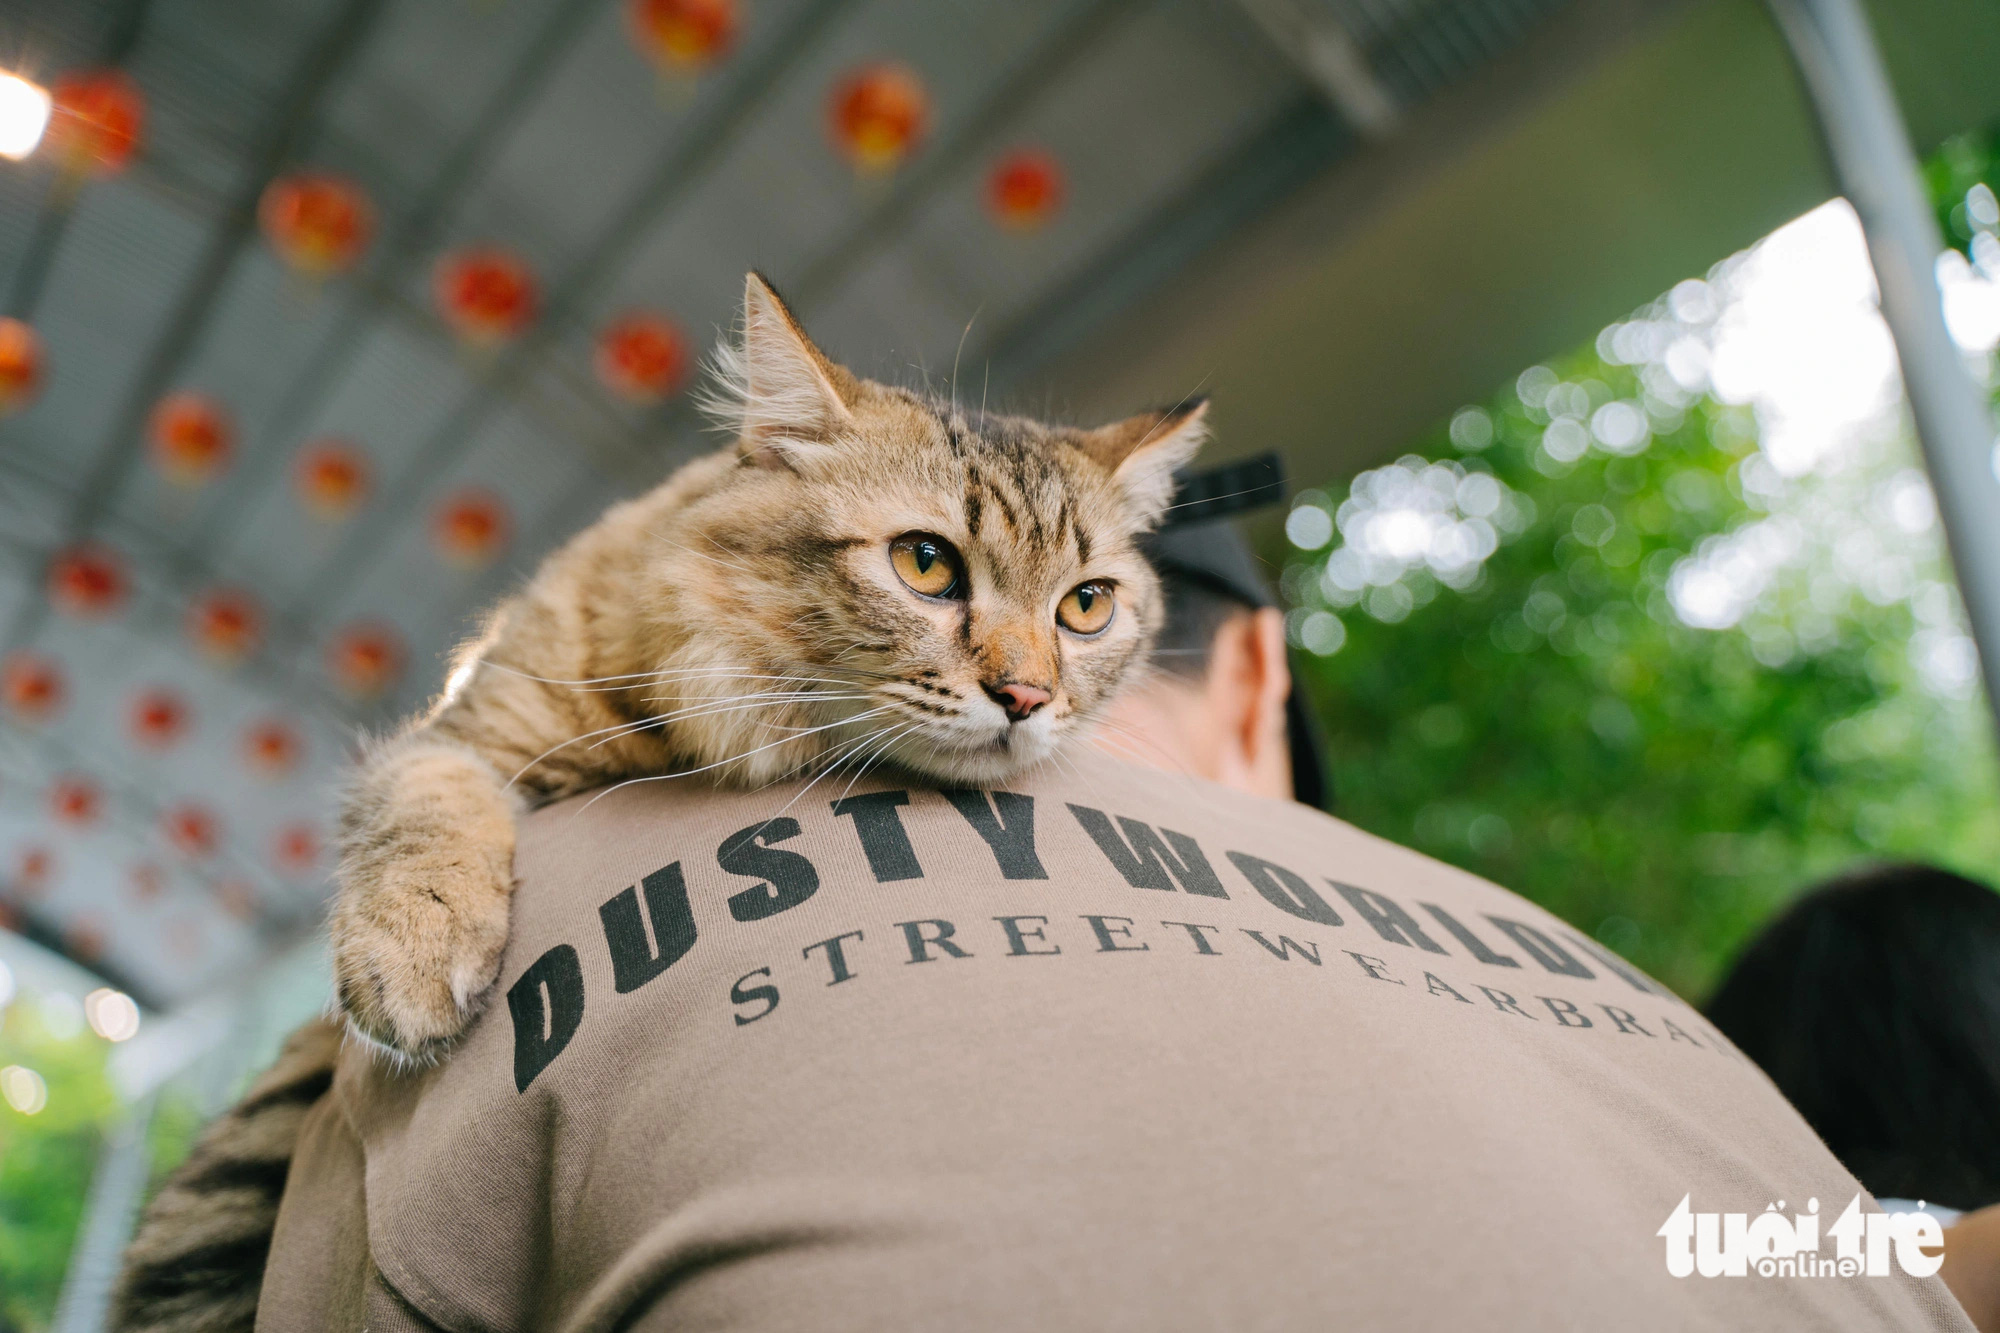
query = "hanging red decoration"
{"x": 318, "y": 224}
{"x": 85, "y": 939}
{"x": 31, "y": 686}
{"x": 147, "y": 881}
{"x": 683, "y": 35}
{"x": 87, "y": 581}
{"x": 642, "y": 356}
{"x": 238, "y": 899}
{"x": 226, "y": 624}
{"x": 75, "y": 800}
{"x": 272, "y": 748}
{"x": 485, "y": 293}
{"x": 365, "y": 659}
{"x": 297, "y": 849}
{"x": 332, "y": 478}
{"x": 877, "y": 115}
{"x": 192, "y": 830}
{"x": 95, "y": 122}
{"x": 159, "y": 719}
{"x": 1025, "y": 189}
{"x": 471, "y": 527}
{"x": 33, "y": 870}
{"x": 191, "y": 437}
{"x": 20, "y": 365}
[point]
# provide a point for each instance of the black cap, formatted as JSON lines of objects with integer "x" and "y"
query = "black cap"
{"x": 1198, "y": 544}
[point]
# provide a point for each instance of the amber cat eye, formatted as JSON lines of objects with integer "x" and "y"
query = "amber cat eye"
{"x": 926, "y": 564}
{"x": 1087, "y": 609}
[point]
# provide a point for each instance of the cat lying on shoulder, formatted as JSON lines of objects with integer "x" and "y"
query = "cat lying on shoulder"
{"x": 868, "y": 576}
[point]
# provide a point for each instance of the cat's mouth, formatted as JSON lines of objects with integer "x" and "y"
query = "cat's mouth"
{"x": 964, "y": 750}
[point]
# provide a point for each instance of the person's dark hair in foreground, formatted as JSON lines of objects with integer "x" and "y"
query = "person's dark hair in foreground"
{"x": 1874, "y": 1004}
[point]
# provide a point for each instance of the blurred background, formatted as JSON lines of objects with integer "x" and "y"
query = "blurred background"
{"x": 1612, "y": 570}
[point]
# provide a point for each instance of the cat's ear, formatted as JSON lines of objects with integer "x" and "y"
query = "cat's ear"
{"x": 788, "y": 399}
{"x": 1143, "y": 451}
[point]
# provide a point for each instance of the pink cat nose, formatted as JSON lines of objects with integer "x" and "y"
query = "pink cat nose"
{"x": 1019, "y": 700}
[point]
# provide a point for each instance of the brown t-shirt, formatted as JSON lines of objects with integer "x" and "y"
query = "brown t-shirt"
{"x": 1117, "y": 1050}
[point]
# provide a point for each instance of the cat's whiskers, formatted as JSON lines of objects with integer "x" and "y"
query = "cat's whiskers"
{"x": 738, "y": 566}
{"x": 1138, "y": 740}
{"x": 732, "y": 759}
{"x": 835, "y": 758}
{"x": 607, "y": 683}
{"x": 878, "y": 755}
{"x": 729, "y": 703}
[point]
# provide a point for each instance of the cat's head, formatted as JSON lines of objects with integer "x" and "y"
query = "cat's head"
{"x": 963, "y": 589}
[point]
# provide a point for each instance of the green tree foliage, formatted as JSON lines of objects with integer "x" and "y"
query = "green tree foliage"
{"x": 1555, "y": 721}
{"x": 47, "y": 1157}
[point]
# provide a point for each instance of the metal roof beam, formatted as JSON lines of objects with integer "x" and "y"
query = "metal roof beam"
{"x": 699, "y": 149}
{"x": 1322, "y": 49}
{"x": 327, "y": 55}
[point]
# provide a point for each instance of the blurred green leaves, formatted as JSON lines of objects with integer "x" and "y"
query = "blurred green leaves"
{"x": 46, "y": 1158}
{"x": 1552, "y": 718}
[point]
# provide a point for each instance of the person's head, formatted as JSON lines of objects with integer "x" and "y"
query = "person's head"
{"x": 1218, "y": 702}
{"x": 1874, "y": 1004}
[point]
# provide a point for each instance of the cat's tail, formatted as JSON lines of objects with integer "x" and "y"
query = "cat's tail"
{"x": 196, "y": 1264}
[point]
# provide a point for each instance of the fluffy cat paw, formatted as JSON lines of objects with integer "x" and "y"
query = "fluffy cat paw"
{"x": 416, "y": 947}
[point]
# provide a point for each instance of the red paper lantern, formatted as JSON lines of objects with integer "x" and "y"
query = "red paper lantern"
{"x": 332, "y": 478}
{"x": 272, "y": 748}
{"x": 20, "y": 365}
{"x": 471, "y": 527}
{"x": 318, "y": 224}
{"x": 226, "y": 624}
{"x": 75, "y": 800}
{"x": 147, "y": 881}
{"x": 85, "y": 939}
{"x": 31, "y": 686}
{"x": 365, "y": 659}
{"x": 683, "y": 35}
{"x": 1025, "y": 189}
{"x": 192, "y": 830}
{"x": 159, "y": 719}
{"x": 877, "y": 114}
{"x": 487, "y": 294}
{"x": 33, "y": 869}
{"x": 238, "y": 899}
{"x": 191, "y": 437}
{"x": 87, "y": 581}
{"x": 95, "y": 122}
{"x": 642, "y": 356}
{"x": 297, "y": 849}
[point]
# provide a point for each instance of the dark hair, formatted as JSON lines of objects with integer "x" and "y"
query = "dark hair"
{"x": 1874, "y": 1004}
{"x": 1195, "y": 612}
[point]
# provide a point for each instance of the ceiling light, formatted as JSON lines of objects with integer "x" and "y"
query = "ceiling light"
{"x": 24, "y": 114}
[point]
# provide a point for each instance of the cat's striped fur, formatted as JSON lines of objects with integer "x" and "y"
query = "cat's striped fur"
{"x": 198, "y": 1260}
{"x": 742, "y": 620}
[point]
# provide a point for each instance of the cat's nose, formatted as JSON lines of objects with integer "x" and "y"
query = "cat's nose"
{"x": 1018, "y": 699}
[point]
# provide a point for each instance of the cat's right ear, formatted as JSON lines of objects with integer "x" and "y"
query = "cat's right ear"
{"x": 791, "y": 402}
{"x": 1142, "y": 452}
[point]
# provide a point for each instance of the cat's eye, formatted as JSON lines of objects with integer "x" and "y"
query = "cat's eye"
{"x": 1087, "y": 609}
{"x": 927, "y": 564}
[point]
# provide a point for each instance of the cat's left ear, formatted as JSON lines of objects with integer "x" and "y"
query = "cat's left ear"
{"x": 793, "y": 398}
{"x": 1142, "y": 452}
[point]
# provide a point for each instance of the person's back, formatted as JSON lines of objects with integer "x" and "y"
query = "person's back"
{"x": 1124, "y": 1050}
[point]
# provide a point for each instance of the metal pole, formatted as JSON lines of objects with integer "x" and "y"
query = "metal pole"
{"x": 115, "y": 1193}
{"x": 1877, "y": 171}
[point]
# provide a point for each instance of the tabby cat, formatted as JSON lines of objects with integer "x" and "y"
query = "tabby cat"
{"x": 870, "y": 575}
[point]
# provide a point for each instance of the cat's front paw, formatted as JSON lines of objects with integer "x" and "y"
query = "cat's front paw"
{"x": 416, "y": 941}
